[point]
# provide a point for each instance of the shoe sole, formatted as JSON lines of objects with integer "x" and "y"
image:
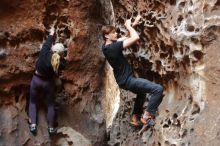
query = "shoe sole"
{"x": 135, "y": 124}
{"x": 149, "y": 123}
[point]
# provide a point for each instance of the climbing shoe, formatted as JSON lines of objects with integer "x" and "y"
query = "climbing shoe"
{"x": 33, "y": 129}
{"x": 52, "y": 130}
{"x": 135, "y": 120}
{"x": 147, "y": 119}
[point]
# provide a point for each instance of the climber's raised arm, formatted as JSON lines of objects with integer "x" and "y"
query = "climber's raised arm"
{"x": 134, "y": 37}
{"x": 135, "y": 23}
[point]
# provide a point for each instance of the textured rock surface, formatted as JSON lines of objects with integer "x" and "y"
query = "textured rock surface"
{"x": 72, "y": 137}
{"x": 23, "y": 28}
{"x": 178, "y": 48}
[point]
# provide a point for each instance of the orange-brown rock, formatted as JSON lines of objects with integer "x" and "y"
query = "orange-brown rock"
{"x": 24, "y": 26}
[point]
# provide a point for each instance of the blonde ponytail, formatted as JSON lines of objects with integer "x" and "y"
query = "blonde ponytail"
{"x": 55, "y": 62}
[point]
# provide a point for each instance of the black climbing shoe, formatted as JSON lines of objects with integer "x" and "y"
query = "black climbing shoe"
{"x": 33, "y": 129}
{"x": 52, "y": 130}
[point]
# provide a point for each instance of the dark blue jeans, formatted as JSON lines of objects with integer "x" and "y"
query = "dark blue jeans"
{"x": 140, "y": 87}
{"x": 47, "y": 89}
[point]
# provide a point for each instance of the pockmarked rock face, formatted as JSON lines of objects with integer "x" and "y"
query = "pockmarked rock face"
{"x": 178, "y": 48}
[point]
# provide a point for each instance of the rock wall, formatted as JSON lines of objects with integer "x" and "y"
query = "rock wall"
{"x": 24, "y": 26}
{"x": 178, "y": 41}
{"x": 179, "y": 48}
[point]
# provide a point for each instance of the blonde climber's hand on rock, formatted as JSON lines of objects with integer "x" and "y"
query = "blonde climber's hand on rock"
{"x": 52, "y": 30}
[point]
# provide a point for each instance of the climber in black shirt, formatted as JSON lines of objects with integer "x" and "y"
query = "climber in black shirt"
{"x": 50, "y": 61}
{"x": 112, "y": 49}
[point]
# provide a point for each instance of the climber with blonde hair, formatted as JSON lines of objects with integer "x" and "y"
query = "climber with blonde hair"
{"x": 112, "y": 49}
{"x": 50, "y": 61}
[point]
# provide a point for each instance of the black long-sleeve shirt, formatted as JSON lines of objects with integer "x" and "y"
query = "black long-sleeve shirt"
{"x": 43, "y": 65}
